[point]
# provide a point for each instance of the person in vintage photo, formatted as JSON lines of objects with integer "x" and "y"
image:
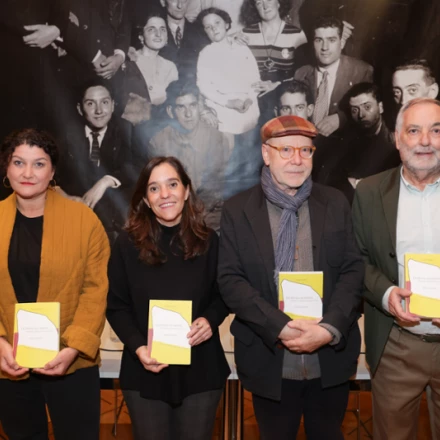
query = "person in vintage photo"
{"x": 96, "y": 157}
{"x": 232, "y": 7}
{"x": 185, "y": 39}
{"x": 30, "y": 73}
{"x": 332, "y": 75}
{"x": 294, "y": 98}
{"x": 202, "y": 149}
{"x": 368, "y": 147}
{"x": 413, "y": 79}
{"x": 149, "y": 74}
{"x": 226, "y": 71}
{"x": 95, "y": 39}
{"x": 272, "y": 41}
{"x": 373, "y": 146}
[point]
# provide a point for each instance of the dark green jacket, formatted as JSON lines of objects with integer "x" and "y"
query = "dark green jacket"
{"x": 374, "y": 221}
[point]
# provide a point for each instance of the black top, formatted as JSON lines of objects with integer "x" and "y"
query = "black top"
{"x": 25, "y": 256}
{"x": 133, "y": 283}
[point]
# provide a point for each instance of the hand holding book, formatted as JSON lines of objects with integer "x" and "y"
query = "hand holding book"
{"x": 395, "y": 301}
{"x": 8, "y": 363}
{"x": 59, "y": 364}
{"x": 148, "y": 363}
{"x": 422, "y": 278}
{"x": 200, "y": 332}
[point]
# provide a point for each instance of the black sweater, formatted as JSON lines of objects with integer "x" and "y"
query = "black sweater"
{"x": 133, "y": 283}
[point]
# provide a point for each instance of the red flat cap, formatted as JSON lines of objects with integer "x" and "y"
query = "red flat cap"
{"x": 287, "y": 126}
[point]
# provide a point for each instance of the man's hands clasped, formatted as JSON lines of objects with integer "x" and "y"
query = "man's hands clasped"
{"x": 304, "y": 336}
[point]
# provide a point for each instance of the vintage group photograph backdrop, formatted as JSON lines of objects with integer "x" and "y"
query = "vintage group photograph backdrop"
{"x": 120, "y": 81}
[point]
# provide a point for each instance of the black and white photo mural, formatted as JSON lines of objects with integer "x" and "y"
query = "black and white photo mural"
{"x": 120, "y": 81}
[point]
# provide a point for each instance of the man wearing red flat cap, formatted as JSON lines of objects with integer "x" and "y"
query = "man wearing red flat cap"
{"x": 293, "y": 368}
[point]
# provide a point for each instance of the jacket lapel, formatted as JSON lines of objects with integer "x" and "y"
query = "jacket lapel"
{"x": 312, "y": 83}
{"x": 342, "y": 83}
{"x": 389, "y": 191}
{"x": 50, "y": 247}
{"x": 7, "y": 220}
{"x": 258, "y": 217}
{"x": 317, "y": 208}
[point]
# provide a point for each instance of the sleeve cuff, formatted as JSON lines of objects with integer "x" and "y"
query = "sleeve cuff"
{"x": 116, "y": 182}
{"x": 98, "y": 54}
{"x": 82, "y": 340}
{"x": 385, "y": 299}
{"x": 120, "y": 52}
{"x": 334, "y": 332}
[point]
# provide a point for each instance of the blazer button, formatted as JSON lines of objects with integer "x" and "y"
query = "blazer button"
{"x": 392, "y": 255}
{"x": 394, "y": 281}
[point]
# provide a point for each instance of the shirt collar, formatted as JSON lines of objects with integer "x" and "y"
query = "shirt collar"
{"x": 332, "y": 69}
{"x": 173, "y": 25}
{"x": 412, "y": 188}
{"x": 101, "y": 133}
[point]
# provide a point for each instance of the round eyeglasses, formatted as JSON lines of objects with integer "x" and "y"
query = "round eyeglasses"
{"x": 287, "y": 152}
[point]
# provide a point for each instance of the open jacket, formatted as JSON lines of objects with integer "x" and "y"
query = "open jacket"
{"x": 375, "y": 221}
{"x": 73, "y": 271}
{"x": 246, "y": 267}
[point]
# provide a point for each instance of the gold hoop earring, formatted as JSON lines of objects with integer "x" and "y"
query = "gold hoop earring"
{"x": 53, "y": 183}
{"x": 6, "y": 182}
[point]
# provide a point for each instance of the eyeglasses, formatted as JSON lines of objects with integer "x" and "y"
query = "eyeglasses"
{"x": 286, "y": 151}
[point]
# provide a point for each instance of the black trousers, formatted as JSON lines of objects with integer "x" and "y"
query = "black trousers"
{"x": 323, "y": 410}
{"x": 157, "y": 420}
{"x": 73, "y": 402}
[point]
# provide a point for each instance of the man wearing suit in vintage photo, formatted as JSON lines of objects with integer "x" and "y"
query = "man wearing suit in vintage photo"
{"x": 332, "y": 75}
{"x": 98, "y": 37}
{"x": 95, "y": 160}
{"x": 29, "y": 62}
{"x": 368, "y": 146}
{"x": 291, "y": 373}
{"x": 185, "y": 39}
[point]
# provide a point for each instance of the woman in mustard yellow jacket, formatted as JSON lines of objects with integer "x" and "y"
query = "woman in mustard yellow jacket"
{"x": 52, "y": 249}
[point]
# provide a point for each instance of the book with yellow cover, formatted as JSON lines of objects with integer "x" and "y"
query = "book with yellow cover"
{"x": 300, "y": 294}
{"x": 422, "y": 278}
{"x": 169, "y": 322}
{"x": 36, "y": 333}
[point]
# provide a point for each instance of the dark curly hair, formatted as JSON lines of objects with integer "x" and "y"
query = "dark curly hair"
{"x": 328, "y": 21}
{"x": 220, "y": 12}
{"x": 33, "y": 137}
{"x": 249, "y": 13}
{"x": 295, "y": 86}
{"x": 145, "y": 230}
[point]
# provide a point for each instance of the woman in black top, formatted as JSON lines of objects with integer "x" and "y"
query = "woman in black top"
{"x": 52, "y": 250}
{"x": 167, "y": 252}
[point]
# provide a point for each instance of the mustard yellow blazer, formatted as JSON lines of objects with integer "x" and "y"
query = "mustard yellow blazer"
{"x": 73, "y": 271}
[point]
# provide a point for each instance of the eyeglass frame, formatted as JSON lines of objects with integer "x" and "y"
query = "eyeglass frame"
{"x": 294, "y": 149}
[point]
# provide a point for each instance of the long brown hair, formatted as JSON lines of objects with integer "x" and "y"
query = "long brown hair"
{"x": 144, "y": 228}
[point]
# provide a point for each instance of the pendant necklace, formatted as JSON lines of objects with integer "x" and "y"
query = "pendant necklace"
{"x": 269, "y": 63}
